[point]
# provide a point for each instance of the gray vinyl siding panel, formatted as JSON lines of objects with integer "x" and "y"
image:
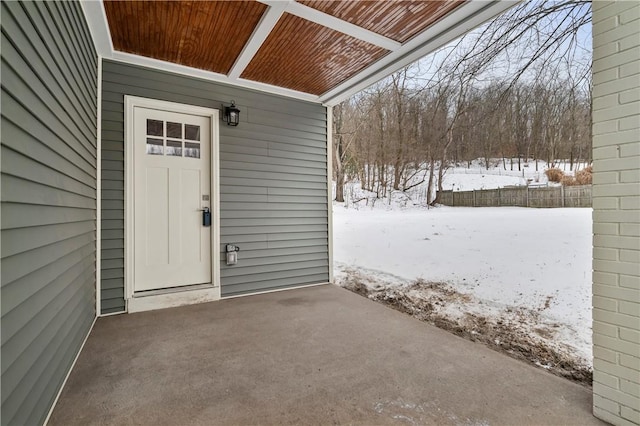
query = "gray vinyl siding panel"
{"x": 48, "y": 196}
{"x": 273, "y": 181}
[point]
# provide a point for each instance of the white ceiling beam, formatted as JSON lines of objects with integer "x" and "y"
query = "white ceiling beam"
{"x": 463, "y": 19}
{"x": 326, "y": 20}
{"x": 260, "y": 34}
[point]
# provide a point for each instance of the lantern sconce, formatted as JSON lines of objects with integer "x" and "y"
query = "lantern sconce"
{"x": 232, "y": 114}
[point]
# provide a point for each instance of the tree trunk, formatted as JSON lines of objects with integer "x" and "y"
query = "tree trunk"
{"x": 340, "y": 188}
{"x": 338, "y": 152}
{"x": 430, "y": 184}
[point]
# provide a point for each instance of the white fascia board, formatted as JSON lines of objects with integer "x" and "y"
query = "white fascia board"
{"x": 98, "y": 26}
{"x": 465, "y": 18}
{"x": 260, "y": 34}
{"x": 329, "y": 21}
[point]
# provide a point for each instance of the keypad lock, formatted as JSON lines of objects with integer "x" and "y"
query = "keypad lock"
{"x": 206, "y": 217}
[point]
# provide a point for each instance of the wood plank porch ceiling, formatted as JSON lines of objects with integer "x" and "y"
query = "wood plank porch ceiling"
{"x": 308, "y": 46}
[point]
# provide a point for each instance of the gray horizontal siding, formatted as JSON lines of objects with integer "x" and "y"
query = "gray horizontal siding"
{"x": 273, "y": 181}
{"x": 48, "y": 227}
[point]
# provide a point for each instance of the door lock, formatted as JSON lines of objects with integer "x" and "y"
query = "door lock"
{"x": 206, "y": 217}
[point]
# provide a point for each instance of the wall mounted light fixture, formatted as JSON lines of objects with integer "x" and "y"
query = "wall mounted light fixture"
{"x": 232, "y": 114}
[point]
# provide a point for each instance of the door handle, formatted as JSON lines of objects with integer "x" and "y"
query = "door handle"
{"x": 206, "y": 217}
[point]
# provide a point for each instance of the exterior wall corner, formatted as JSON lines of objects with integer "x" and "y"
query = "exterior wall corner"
{"x": 616, "y": 222}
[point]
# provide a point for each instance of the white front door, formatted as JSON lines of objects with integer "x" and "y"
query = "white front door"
{"x": 172, "y": 187}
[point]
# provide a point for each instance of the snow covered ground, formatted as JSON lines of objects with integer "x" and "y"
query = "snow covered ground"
{"x": 458, "y": 177}
{"x": 526, "y": 271}
{"x": 461, "y": 180}
{"x": 477, "y": 176}
{"x": 505, "y": 260}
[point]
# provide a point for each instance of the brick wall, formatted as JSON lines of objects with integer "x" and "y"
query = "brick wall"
{"x": 616, "y": 211}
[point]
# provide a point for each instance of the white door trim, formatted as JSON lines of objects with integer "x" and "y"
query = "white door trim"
{"x": 158, "y": 301}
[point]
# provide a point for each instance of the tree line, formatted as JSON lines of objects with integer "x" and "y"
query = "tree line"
{"x": 482, "y": 97}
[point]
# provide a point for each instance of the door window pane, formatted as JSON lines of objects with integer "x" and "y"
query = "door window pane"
{"x": 174, "y": 130}
{"x": 192, "y": 150}
{"x": 154, "y": 146}
{"x": 192, "y": 132}
{"x": 155, "y": 128}
{"x": 174, "y": 148}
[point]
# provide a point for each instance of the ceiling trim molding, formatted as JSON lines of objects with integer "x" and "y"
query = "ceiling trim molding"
{"x": 337, "y": 24}
{"x": 463, "y": 19}
{"x": 263, "y": 29}
{"x": 144, "y": 61}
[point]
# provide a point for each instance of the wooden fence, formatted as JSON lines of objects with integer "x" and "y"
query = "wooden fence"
{"x": 520, "y": 196}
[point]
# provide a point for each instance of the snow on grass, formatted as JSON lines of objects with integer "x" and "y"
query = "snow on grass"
{"x": 460, "y": 180}
{"x": 458, "y": 177}
{"x": 505, "y": 258}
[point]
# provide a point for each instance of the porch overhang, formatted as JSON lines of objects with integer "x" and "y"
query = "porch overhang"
{"x": 318, "y": 51}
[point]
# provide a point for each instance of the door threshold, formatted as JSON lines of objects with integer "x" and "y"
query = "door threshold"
{"x": 172, "y": 297}
{"x": 168, "y": 290}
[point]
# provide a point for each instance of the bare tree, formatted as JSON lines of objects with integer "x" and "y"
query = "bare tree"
{"x": 517, "y": 87}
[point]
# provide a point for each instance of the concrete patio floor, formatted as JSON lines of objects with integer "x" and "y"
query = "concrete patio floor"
{"x": 319, "y": 355}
